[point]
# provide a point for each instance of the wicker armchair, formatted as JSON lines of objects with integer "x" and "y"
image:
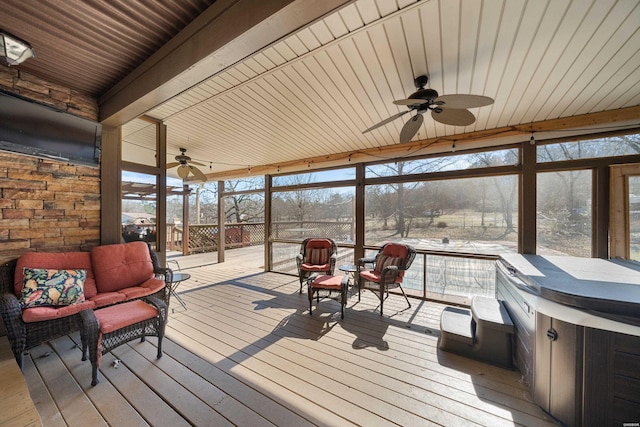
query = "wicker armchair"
{"x": 26, "y": 335}
{"x": 316, "y": 256}
{"x": 389, "y": 266}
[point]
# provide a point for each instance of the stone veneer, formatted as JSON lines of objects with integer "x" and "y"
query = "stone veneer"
{"x": 47, "y": 205}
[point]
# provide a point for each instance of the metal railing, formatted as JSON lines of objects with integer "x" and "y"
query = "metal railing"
{"x": 443, "y": 276}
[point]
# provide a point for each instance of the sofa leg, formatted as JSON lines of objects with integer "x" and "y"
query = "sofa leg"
{"x": 94, "y": 375}
{"x": 19, "y": 359}
{"x": 90, "y": 331}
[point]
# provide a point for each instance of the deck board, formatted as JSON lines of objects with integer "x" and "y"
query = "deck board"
{"x": 247, "y": 352}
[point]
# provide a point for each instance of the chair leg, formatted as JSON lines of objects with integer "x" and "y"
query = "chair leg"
{"x": 405, "y": 295}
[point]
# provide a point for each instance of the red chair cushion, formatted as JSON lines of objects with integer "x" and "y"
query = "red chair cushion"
{"x": 384, "y": 261}
{"x": 314, "y": 267}
{"x": 371, "y": 276}
{"x": 121, "y": 266}
{"x": 396, "y": 250}
{"x": 122, "y": 315}
{"x": 327, "y": 282}
{"x": 317, "y": 255}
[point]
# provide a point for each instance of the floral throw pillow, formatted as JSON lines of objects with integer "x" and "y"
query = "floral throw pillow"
{"x": 52, "y": 287}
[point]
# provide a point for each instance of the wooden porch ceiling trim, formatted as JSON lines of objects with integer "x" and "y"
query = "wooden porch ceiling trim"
{"x": 483, "y": 138}
{"x": 227, "y": 32}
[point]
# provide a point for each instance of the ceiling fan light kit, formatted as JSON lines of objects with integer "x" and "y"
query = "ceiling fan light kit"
{"x": 446, "y": 109}
{"x": 185, "y": 166}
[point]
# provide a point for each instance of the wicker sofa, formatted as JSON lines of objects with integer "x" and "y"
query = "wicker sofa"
{"x": 114, "y": 274}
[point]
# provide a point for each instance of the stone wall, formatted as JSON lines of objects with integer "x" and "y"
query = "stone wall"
{"x": 47, "y": 205}
{"x": 61, "y": 98}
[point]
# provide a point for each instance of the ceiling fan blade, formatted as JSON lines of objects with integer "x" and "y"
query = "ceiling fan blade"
{"x": 197, "y": 163}
{"x": 172, "y": 165}
{"x": 197, "y": 173}
{"x": 454, "y": 116}
{"x": 461, "y": 101}
{"x": 410, "y": 128}
{"x": 385, "y": 121}
{"x": 410, "y": 101}
{"x": 183, "y": 171}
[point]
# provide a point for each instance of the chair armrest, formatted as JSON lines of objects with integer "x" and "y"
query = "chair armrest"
{"x": 360, "y": 266}
{"x": 7, "y": 271}
{"x": 332, "y": 263}
{"x": 160, "y": 306}
{"x": 362, "y": 261}
{"x": 160, "y": 271}
{"x": 10, "y": 306}
{"x": 11, "y": 312}
{"x": 167, "y": 274}
{"x": 299, "y": 259}
{"x": 389, "y": 272}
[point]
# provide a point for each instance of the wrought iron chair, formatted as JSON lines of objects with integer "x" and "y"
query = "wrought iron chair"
{"x": 389, "y": 266}
{"x": 316, "y": 256}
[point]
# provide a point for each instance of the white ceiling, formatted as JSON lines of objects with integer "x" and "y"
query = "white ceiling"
{"x": 311, "y": 94}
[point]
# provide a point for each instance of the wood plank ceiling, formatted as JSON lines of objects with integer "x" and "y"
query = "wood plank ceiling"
{"x": 314, "y": 92}
{"x": 303, "y": 101}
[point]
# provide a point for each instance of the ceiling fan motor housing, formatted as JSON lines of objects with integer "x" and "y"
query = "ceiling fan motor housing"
{"x": 421, "y": 81}
{"x": 426, "y": 94}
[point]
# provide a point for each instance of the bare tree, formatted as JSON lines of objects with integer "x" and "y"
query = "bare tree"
{"x": 505, "y": 187}
{"x": 298, "y": 204}
{"x": 406, "y": 205}
{"x": 244, "y": 207}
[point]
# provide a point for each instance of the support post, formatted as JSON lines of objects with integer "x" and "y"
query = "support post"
{"x": 221, "y": 222}
{"x": 185, "y": 219}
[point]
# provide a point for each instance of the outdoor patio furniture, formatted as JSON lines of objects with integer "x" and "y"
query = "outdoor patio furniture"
{"x": 389, "y": 266}
{"x": 316, "y": 256}
{"x": 110, "y": 327}
{"x": 174, "y": 279}
{"x": 114, "y": 274}
{"x": 325, "y": 286}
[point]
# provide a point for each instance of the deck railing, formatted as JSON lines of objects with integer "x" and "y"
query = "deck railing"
{"x": 340, "y": 231}
{"x": 443, "y": 276}
{"x": 204, "y": 237}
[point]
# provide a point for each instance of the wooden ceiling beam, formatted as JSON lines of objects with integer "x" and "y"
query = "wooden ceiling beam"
{"x": 227, "y": 32}
{"x": 484, "y": 138}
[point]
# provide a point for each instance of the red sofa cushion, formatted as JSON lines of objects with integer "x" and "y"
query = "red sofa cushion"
{"x": 123, "y": 315}
{"x": 58, "y": 261}
{"x": 108, "y": 298}
{"x": 38, "y": 314}
{"x": 121, "y": 266}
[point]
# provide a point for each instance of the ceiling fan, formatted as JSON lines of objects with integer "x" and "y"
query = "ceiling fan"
{"x": 185, "y": 165}
{"x": 446, "y": 109}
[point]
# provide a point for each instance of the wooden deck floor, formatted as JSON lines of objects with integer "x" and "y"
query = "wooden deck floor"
{"x": 246, "y": 352}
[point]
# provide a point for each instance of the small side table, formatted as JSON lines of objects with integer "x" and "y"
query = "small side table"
{"x": 174, "y": 280}
{"x": 348, "y": 268}
{"x": 351, "y": 270}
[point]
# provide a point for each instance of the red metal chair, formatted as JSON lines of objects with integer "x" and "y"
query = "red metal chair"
{"x": 389, "y": 266}
{"x": 316, "y": 256}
